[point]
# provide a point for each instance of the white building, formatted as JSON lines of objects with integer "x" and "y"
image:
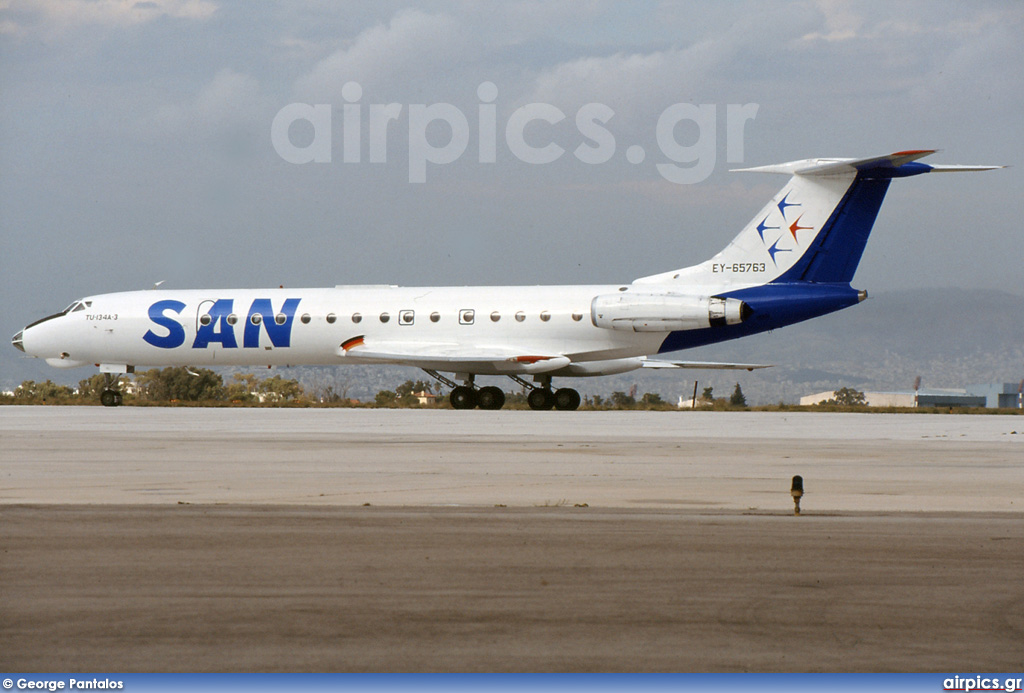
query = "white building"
{"x": 991, "y": 395}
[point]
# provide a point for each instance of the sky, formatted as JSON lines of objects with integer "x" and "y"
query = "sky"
{"x": 218, "y": 144}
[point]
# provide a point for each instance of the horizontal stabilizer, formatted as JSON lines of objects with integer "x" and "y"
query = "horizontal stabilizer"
{"x": 956, "y": 168}
{"x": 833, "y": 167}
{"x": 703, "y": 365}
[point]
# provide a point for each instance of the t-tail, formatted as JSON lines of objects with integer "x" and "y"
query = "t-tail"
{"x": 795, "y": 259}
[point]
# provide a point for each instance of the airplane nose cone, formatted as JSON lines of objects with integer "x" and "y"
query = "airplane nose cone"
{"x": 18, "y": 342}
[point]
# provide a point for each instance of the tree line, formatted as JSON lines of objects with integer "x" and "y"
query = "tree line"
{"x": 186, "y": 385}
{"x": 166, "y": 385}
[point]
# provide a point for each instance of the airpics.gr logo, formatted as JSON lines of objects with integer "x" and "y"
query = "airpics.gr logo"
{"x": 217, "y": 324}
{"x": 683, "y": 164}
{"x": 982, "y": 683}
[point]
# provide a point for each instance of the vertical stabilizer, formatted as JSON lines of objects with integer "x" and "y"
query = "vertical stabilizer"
{"x": 814, "y": 229}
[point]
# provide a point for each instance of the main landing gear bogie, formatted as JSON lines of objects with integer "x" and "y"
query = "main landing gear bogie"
{"x": 465, "y": 397}
{"x": 541, "y": 397}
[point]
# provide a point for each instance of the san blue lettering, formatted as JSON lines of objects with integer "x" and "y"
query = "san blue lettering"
{"x": 280, "y": 335}
{"x": 219, "y": 330}
{"x": 175, "y": 336}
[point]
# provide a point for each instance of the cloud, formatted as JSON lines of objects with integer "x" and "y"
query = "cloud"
{"x": 228, "y": 99}
{"x": 414, "y": 45}
{"x": 55, "y": 16}
{"x": 845, "y": 20}
{"x": 841, "y": 22}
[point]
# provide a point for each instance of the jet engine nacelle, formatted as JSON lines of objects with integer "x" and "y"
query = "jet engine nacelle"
{"x": 665, "y": 312}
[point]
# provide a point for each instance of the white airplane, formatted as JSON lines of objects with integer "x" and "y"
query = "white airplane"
{"x": 793, "y": 261}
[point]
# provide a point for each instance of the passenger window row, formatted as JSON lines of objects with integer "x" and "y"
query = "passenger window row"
{"x": 255, "y": 319}
{"x": 406, "y": 317}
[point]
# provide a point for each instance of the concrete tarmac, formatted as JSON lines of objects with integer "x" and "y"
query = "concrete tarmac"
{"x": 714, "y": 460}
{"x": 235, "y": 540}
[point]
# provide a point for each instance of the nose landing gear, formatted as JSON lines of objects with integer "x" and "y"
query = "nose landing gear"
{"x": 111, "y": 396}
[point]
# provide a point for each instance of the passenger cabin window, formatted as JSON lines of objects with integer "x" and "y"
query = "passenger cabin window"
{"x": 406, "y": 317}
{"x": 467, "y": 316}
{"x": 545, "y": 316}
{"x": 384, "y": 317}
{"x": 232, "y": 319}
{"x": 205, "y": 319}
{"x": 280, "y": 318}
{"x": 520, "y": 316}
{"x": 305, "y": 318}
{"x": 577, "y": 316}
{"x": 255, "y": 318}
{"x": 434, "y": 317}
{"x": 495, "y": 316}
{"x": 331, "y": 317}
{"x": 357, "y": 318}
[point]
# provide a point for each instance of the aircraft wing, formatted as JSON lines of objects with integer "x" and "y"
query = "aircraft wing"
{"x": 706, "y": 365}
{"x": 452, "y": 357}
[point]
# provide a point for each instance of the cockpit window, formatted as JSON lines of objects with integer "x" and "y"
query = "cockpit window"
{"x": 76, "y": 306}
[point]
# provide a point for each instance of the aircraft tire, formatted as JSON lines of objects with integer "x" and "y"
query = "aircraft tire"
{"x": 108, "y": 398}
{"x": 567, "y": 399}
{"x": 490, "y": 398}
{"x": 540, "y": 399}
{"x": 463, "y": 397}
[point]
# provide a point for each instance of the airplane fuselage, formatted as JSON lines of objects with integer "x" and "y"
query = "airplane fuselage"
{"x": 279, "y": 327}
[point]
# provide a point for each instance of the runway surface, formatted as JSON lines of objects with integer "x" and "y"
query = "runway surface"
{"x": 232, "y": 540}
{"x": 736, "y": 461}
